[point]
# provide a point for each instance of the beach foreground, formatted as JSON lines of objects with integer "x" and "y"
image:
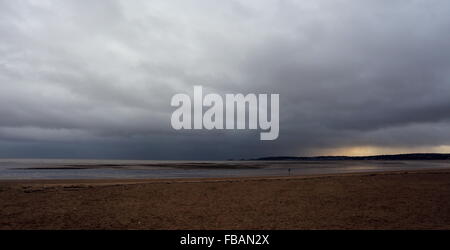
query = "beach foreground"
{"x": 389, "y": 200}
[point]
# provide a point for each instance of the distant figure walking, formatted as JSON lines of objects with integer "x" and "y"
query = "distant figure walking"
{"x": 289, "y": 170}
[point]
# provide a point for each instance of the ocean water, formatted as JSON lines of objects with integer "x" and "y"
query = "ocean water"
{"x": 115, "y": 169}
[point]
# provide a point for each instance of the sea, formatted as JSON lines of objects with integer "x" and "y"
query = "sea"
{"x": 19, "y": 169}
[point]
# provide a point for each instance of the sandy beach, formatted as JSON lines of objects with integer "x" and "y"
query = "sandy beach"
{"x": 387, "y": 200}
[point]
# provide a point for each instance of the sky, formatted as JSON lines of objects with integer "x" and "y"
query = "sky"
{"x": 94, "y": 79}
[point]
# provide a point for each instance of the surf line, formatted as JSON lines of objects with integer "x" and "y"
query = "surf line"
{"x": 218, "y": 116}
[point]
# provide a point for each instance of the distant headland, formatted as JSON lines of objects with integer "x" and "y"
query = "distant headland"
{"x": 417, "y": 156}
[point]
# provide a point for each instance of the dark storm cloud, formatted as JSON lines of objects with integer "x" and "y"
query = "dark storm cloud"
{"x": 95, "y": 79}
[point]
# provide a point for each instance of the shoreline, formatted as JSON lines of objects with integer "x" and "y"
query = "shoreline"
{"x": 131, "y": 181}
{"x": 189, "y": 170}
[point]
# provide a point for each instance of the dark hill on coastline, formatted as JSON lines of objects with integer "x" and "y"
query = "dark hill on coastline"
{"x": 421, "y": 156}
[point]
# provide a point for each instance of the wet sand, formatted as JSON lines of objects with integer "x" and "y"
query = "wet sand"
{"x": 388, "y": 200}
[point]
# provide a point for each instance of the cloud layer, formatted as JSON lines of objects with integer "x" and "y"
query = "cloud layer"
{"x": 95, "y": 79}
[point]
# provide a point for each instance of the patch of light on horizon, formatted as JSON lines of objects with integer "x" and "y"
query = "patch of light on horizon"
{"x": 377, "y": 150}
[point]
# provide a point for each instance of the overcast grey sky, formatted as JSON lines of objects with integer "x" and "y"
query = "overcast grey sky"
{"x": 94, "y": 79}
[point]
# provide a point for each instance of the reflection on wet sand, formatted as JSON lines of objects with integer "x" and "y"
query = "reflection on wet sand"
{"x": 100, "y": 169}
